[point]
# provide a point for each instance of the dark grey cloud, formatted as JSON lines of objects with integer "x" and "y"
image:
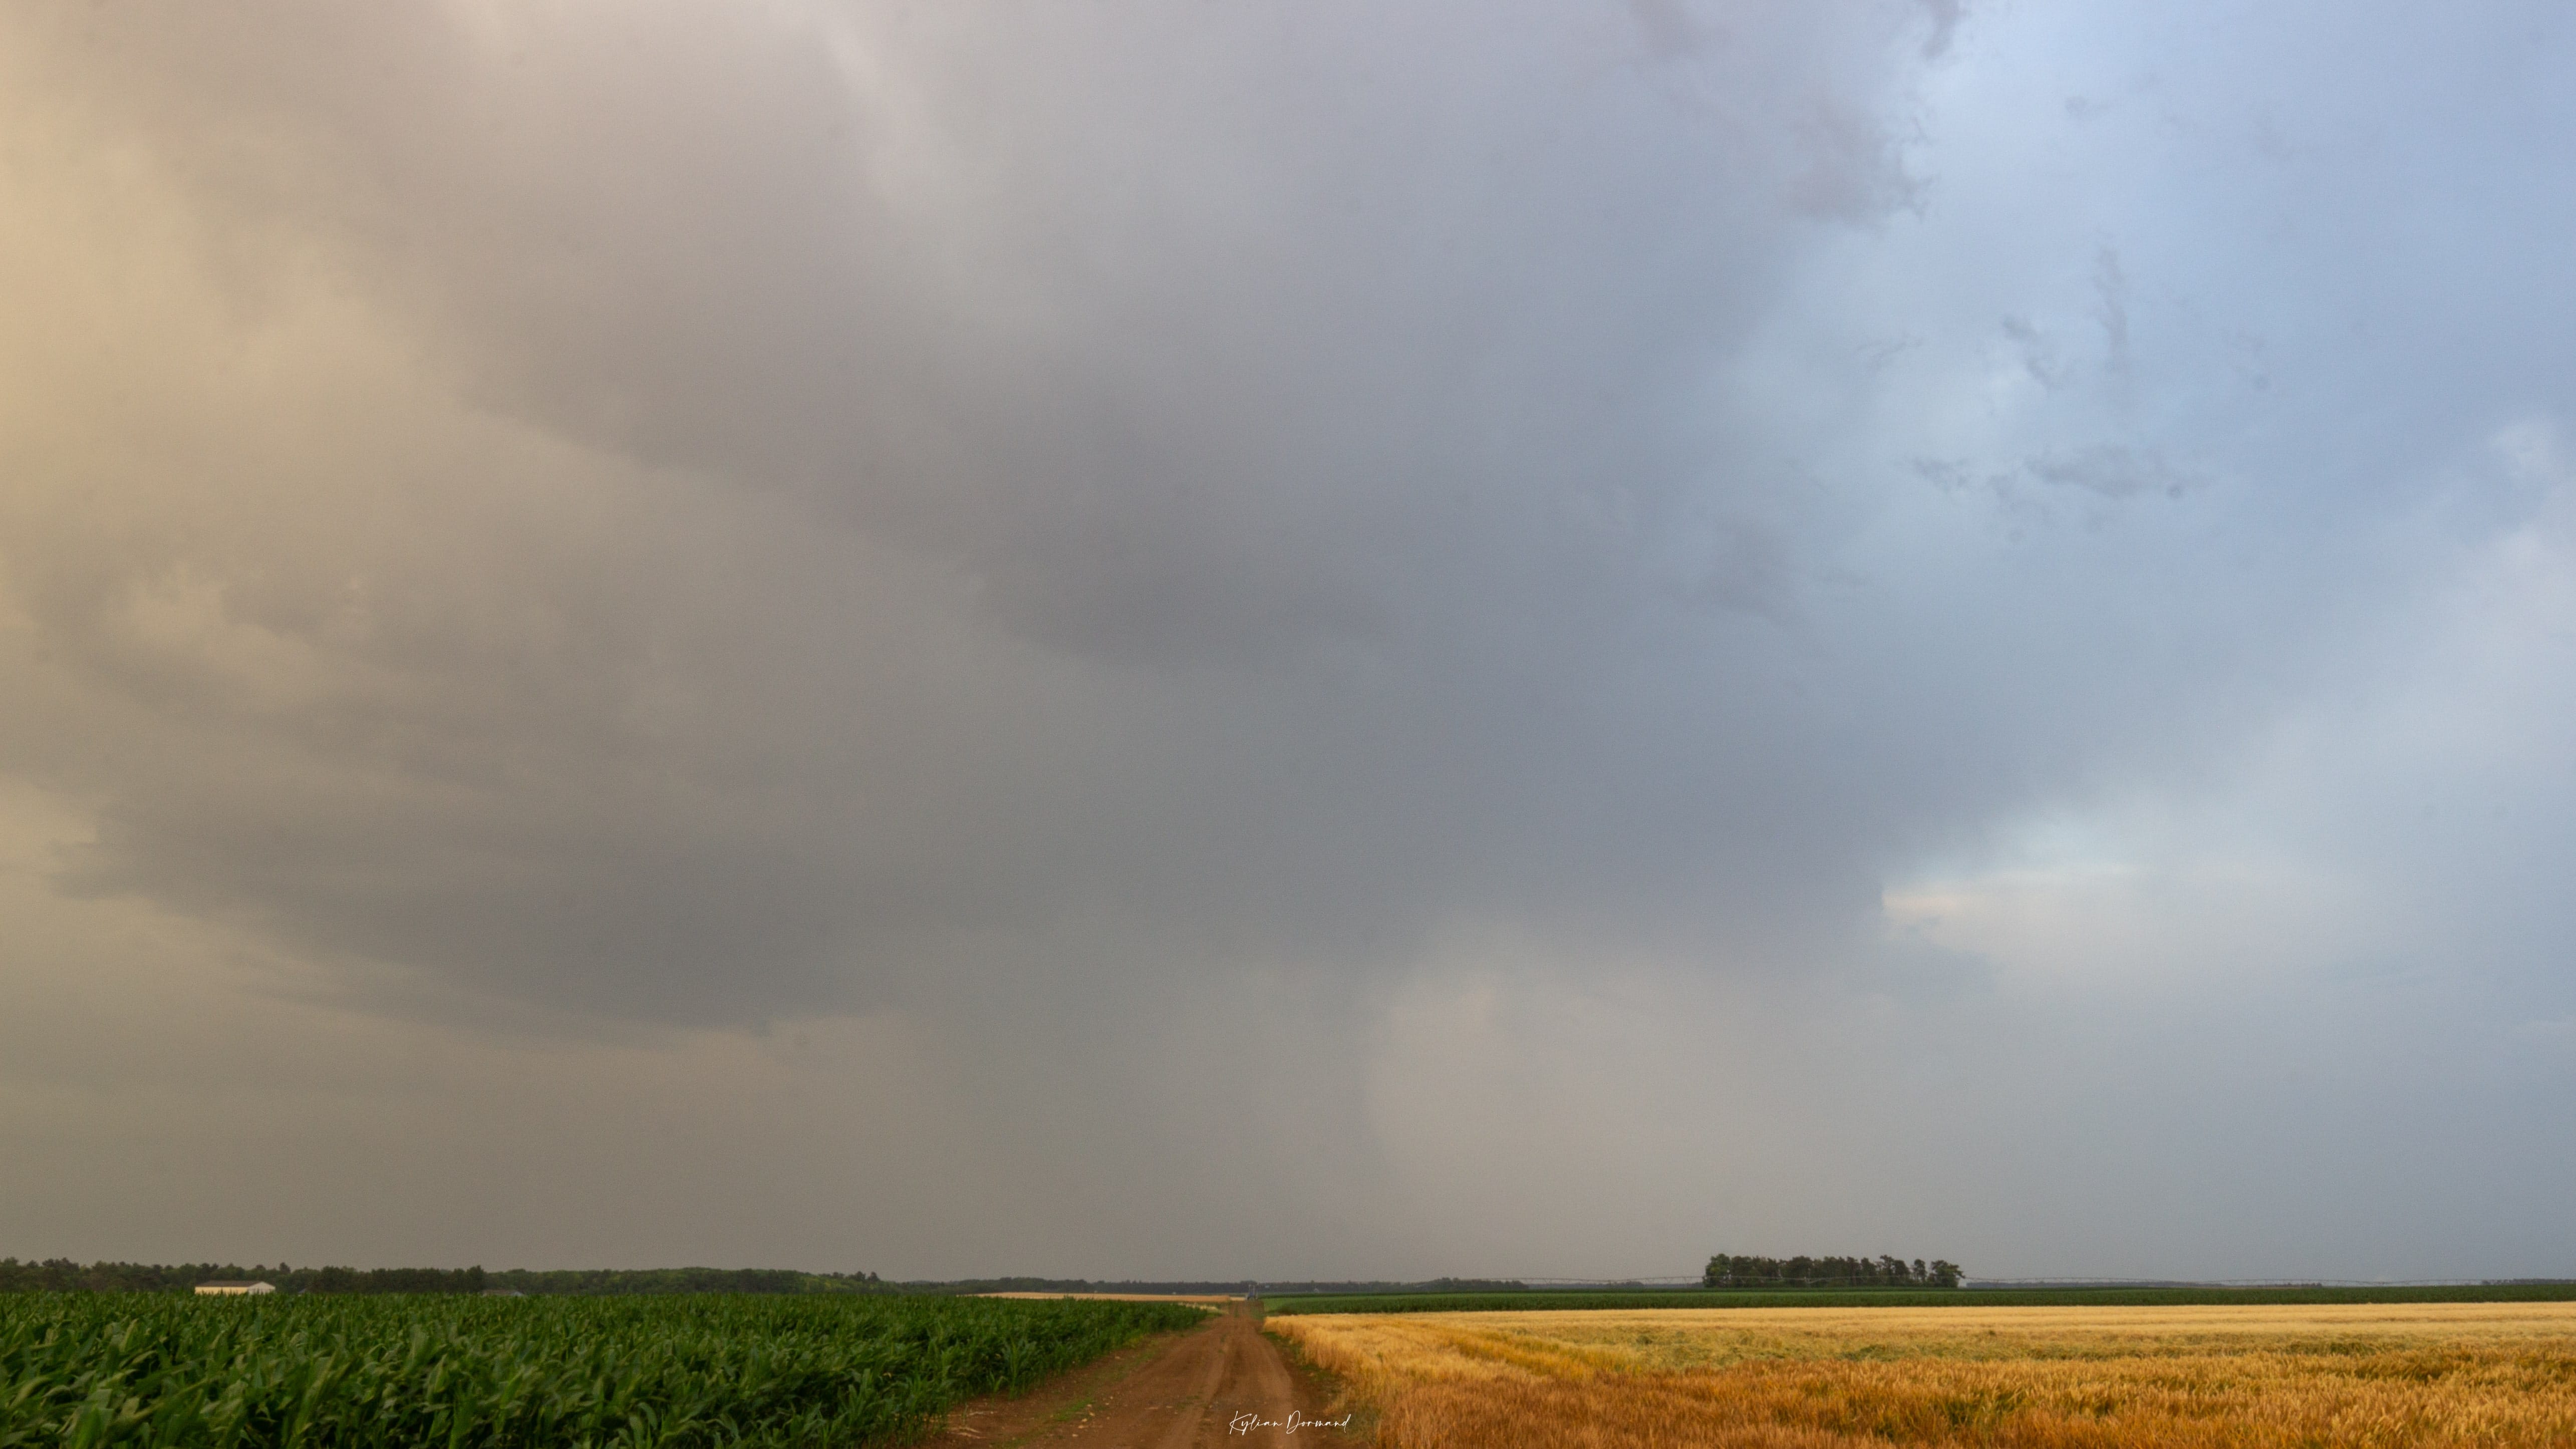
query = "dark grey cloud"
{"x": 1339, "y": 454}
{"x": 1071, "y": 527}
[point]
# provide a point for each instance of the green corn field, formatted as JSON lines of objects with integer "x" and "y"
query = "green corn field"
{"x": 82, "y": 1370}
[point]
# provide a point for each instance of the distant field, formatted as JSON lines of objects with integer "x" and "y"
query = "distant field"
{"x": 1204, "y": 1300}
{"x": 1910, "y": 1298}
{"x": 2272, "y": 1377}
{"x": 401, "y": 1370}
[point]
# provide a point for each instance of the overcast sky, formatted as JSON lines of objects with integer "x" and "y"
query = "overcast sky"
{"x": 1289, "y": 638}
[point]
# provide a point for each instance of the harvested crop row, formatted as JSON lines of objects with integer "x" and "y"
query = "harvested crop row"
{"x": 2412, "y": 1375}
{"x": 83, "y": 1370}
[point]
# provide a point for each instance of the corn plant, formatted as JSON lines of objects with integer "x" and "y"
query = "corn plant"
{"x": 83, "y": 1370}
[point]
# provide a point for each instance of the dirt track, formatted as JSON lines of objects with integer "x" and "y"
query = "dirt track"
{"x": 1221, "y": 1384}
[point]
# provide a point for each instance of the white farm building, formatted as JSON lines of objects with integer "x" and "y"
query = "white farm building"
{"x": 233, "y": 1289}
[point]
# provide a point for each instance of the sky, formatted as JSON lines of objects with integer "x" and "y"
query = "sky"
{"x": 1289, "y": 638}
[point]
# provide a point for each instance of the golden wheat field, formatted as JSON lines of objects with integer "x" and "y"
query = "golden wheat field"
{"x": 2342, "y": 1374}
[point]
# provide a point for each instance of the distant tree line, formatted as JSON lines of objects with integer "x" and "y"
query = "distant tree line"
{"x": 602, "y": 1281}
{"x": 62, "y": 1275}
{"x": 1730, "y": 1270}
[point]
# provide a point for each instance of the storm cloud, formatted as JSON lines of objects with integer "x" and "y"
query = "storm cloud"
{"x": 1267, "y": 614}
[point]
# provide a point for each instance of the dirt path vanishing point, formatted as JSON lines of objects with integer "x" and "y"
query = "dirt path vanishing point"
{"x": 1223, "y": 1383}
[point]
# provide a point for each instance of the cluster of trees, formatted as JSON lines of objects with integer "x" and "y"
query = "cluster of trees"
{"x": 62, "y": 1275}
{"x": 1728, "y": 1270}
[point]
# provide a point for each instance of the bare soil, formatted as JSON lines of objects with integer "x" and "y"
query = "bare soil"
{"x": 1221, "y": 1384}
